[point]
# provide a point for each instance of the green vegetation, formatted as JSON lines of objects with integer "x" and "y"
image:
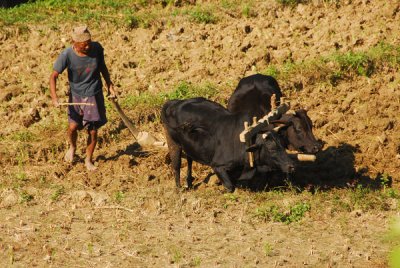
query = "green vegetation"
{"x": 183, "y": 90}
{"x": 201, "y": 15}
{"x": 268, "y": 249}
{"x": 296, "y": 2}
{"x": 292, "y": 2}
{"x": 339, "y": 66}
{"x": 195, "y": 262}
{"x": 58, "y": 192}
{"x": 176, "y": 254}
{"x": 25, "y": 197}
{"x": 394, "y": 235}
{"x": 246, "y": 11}
{"x": 132, "y": 14}
{"x": 274, "y": 212}
{"x": 119, "y": 196}
{"x": 23, "y": 136}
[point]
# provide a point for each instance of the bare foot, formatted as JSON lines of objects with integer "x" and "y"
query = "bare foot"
{"x": 89, "y": 165}
{"x": 69, "y": 155}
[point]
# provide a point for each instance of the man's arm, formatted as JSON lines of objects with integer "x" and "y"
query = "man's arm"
{"x": 53, "y": 86}
{"x": 110, "y": 86}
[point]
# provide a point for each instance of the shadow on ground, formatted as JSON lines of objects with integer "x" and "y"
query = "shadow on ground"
{"x": 334, "y": 168}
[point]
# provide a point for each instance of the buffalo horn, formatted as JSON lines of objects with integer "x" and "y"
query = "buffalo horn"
{"x": 306, "y": 157}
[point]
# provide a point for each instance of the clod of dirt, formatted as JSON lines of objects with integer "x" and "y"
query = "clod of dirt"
{"x": 9, "y": 199}
{"x": 99, "y": 199}
{"x": 9, "y": 93}
{"x": 33, "y": 116}
{"x": 81, "y": 197}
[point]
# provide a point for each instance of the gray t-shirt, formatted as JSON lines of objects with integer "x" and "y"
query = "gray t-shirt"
{"x": 83, "y": 72}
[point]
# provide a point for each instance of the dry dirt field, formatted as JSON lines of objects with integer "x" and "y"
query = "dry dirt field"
{"x": 129, "y": 214}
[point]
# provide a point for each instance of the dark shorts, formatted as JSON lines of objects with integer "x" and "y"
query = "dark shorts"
{"x": 86, "y": 116}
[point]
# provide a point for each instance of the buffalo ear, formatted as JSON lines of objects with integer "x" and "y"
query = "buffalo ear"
{"x": 253, "y": 148}
{"x": 247, "y": 174}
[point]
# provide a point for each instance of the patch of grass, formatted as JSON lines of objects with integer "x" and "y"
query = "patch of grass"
{"x": 25, "y": 197}
{"x": 246, "y": 11}
{"x": 139, "y": 20}
{"x": 357, "y": 62}
{"x": 338, "y": 66}
{"x": 385, "y": 181}
{"x": 132, "y": 21}
{"x": 272, "y": 70}
{"x": 340, "y": 204}
{"x": 292, "y": 2}
{"x": 90, "y": 248}
{"x": 58, "y": 192}
{"x": 272, "y": 212}
{"x": 144, "y": 99}
{"x": 23, "y": 136}
{"x": 201, "y": 15}
{"x": 195, "y": 262}
{"x": 119, "y": 196}
{"x": 21, "y": 176}
{"x": 176, "y": 255}
{"x": 84, "y": 11}
{"x": 359, "y": 199}
{"x": 367, "y": 199}
{"x": 131, "y": 14}
{"x": 230, "y": 199}
{"x": 183, "y": 90}
{"x": 228, "y": 4}
{"x": 268, "y": 249}
{"x": 392, "y": 193}
{"x": 394, "y": 235}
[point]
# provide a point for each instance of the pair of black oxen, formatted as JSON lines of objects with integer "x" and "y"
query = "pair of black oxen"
{"x": 209, "y": 133}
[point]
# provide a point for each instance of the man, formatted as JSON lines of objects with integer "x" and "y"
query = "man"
{"x": 84, "y": 61}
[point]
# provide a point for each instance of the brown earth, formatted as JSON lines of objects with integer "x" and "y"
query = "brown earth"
{"x": 128, "y": 213}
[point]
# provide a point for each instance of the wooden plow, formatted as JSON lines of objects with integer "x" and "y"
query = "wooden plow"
{"x": 257, "y": 125}
{"x": 143, "y": 138}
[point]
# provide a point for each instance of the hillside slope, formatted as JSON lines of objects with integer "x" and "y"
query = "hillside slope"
{"x": 128, "y": 212}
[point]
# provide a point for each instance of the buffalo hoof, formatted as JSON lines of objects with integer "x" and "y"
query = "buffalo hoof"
{"x": 228, "y": 190}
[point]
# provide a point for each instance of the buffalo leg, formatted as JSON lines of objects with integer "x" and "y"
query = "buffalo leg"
{"x": 175, "y": 153}
{"x": 223, "y": 175}
{"x": 189, "y": 178}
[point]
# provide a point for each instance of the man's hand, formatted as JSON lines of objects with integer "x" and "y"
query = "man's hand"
{"x": 111, "y": 92}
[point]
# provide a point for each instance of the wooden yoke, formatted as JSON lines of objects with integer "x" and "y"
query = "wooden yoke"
{"x": 249, "y": 131}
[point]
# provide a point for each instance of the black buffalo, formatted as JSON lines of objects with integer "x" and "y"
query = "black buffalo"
{"x": 209, "y": 134}
{"x": 253, "y": 96}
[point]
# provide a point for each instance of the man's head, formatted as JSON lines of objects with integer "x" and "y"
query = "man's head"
{"x": 81, "y": 38}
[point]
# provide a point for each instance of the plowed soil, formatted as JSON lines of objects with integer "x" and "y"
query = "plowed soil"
{"x": 128, "y": 212}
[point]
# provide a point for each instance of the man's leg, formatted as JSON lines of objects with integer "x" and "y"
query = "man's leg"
{"x": 91, "y": 145}
{"x": 72, "y": 133}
